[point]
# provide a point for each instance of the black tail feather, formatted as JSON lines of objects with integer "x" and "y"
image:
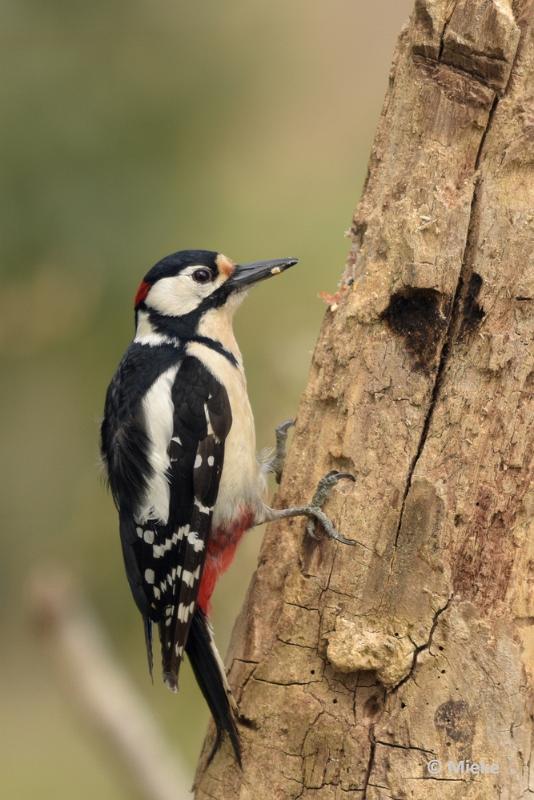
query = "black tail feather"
{"x": 170, "y": 664}
{"x": 148, "y": 640}
{"x": 210, "y": 675}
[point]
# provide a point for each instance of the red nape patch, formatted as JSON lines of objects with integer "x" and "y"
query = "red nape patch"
{"x": 220, "y": 554}
{"x": 142, "y": 292}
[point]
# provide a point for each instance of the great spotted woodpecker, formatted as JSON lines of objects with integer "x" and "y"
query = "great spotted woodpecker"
{"x": 178, "y": 444}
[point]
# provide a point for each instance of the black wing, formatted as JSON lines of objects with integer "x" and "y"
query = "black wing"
{"x": 125, "y": 447}
{"x": 165, "y": 562}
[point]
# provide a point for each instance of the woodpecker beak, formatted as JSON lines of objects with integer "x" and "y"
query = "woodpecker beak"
{"x": 246, "y": 274}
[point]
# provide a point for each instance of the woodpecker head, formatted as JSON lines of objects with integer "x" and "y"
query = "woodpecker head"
{"x": 182, "y": 288}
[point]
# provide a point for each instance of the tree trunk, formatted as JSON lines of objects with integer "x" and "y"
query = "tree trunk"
{"x": 358, "y": 669}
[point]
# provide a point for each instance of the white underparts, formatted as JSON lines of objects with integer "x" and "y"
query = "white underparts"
{"x": 242, "y": 482}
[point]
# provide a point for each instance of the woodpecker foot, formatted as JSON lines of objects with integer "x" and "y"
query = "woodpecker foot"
{"x": 324, "y": 487}
{"x": 314, "y": 511}
{"x": 277, "y": 464}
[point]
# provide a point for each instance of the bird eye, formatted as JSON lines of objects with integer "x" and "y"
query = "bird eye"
{"x": 202, "y": 275}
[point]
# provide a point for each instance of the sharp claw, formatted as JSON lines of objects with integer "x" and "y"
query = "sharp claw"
{"x": 329, "y": 530}
{"x": 347, "y": 475}
{"x": 285, "y": 426}
{"x": 281, "y": 438}
{"x": 326, "y": 483}
{"x": 321, "y": 493}
{"x": 334, "y": 476}
{"x": 340, "y": 538}
{"x": 330, "y": 478}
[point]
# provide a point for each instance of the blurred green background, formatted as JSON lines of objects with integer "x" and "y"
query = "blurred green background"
{"x": 131, "y": 129}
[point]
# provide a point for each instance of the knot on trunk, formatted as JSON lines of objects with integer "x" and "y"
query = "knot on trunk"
{"x": 371, "y": 643}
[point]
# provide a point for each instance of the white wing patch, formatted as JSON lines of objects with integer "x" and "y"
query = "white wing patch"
{"x": 149, "y": 576}
{"x": 190, "y": 578}
{"x": 180, "y": 533}
{"x": 196, "y": 543}
{"x": 201, "y": 508}
{"x": 185, "y": 611}
{"x": 158, "y": 410}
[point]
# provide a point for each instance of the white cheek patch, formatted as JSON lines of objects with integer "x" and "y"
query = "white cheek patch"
{"x": 174, "y": 296}
{"x": 180, "y": 294}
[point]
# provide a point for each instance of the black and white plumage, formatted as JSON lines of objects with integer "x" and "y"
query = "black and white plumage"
{"x": 178, "y": 445}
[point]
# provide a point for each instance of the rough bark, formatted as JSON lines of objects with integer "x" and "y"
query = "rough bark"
{"x": 355, "y": 666}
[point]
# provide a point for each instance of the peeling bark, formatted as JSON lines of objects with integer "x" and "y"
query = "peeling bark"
{"x": 355, "y": 666}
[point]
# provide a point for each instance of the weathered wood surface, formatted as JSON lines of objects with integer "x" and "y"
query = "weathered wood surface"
{"x": 356, "y": 666}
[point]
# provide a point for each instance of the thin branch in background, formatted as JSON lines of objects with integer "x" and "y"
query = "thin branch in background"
{"x": 106, "y": 699}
